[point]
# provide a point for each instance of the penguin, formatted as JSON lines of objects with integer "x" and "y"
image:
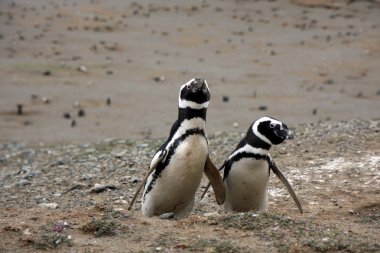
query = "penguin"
{"x": 177, "y": 167}
{"x": 247, "y": 168}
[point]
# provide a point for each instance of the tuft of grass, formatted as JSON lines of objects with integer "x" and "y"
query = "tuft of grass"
{"x": 52, "y": 240}
{"x": 287, "y": 234}
{"x": 101, "y": 227}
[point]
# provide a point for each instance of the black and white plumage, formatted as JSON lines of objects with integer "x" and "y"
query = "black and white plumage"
{"x": 246, "y": 170}
{"x": 177, "y": 167}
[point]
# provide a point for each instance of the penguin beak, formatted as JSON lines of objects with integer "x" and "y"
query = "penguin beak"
{"x": 285, "y": 134}
{"x": 198, "y": 84}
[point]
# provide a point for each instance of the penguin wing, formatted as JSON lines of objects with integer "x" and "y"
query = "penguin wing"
{"x": 158, "y": 157}
{"x": 285, "y": 181}
{"x": 216, "y": 181}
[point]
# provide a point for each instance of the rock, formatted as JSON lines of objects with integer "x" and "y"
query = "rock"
{"x": 49, "y": 205}
{"x": 66, "y": 115}
{"x": 23, "y": 182}
{"x": 159, "y": 78}
{"x": 82, "y": 69}
{"x": 81, "y": 113}
{"x": 47, "y": 73}
{"x": 263, "y": 108}
{"x": 102, "y": 187}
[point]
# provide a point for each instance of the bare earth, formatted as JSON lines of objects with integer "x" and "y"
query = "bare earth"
{"x": 312, "y": 63}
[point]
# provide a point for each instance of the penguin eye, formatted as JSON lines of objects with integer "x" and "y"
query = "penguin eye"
{"x": 272, "y": 125}
{"x": 188, "y": 87}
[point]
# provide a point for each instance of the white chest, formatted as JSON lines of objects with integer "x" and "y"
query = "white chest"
{"x": 246, "y": 185}
{"x": 175, "y": 188}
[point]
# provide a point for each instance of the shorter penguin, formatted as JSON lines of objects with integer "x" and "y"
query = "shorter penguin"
{"x": 177, "y": 168}
{"x": 246, "y": 170}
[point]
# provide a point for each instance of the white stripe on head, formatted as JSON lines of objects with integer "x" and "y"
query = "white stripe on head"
{"x": 260, "y": 135}
{"x": 182, "y": 103}
{"x": 249, "y": 149}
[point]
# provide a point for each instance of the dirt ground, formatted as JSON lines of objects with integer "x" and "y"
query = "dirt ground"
{"x": 98, "y": 84}
{"x": 48, "y": 201}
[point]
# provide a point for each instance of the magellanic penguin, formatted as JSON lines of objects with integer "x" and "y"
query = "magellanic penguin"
{"x": 246, "y": 170}
{"x": 176, "y": 169}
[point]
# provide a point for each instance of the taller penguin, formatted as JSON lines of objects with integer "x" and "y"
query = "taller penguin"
{"x": 176, "y": 169}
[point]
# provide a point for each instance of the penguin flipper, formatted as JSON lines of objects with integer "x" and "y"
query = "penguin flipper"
{"x": 285, "y": 181}
{"x": 156, "y": 160}
{"x": 216, "y": 181}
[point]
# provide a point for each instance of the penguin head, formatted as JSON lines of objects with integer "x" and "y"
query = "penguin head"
{"x": 271, "y": 130}
{"x": 194, "y": 94}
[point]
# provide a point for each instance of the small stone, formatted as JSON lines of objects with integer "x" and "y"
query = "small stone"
{"x": 73, "y": 123}
{"x": 81, "y": 113}
{"x": 23, "y": 182}
{"x": 159, "y": 78}
{"x": 47, "y": 73}
{"x": 45, "y": 100}
{"x": 82, "y": 69}
{"x": 66, "y": 115}
{"x": 134, "y": 180}
{"x": 19, "y": 109}
{"x": 108, "y": 101}
{"x": 226, "y": 99}
{"x": 98, "y": 188}
{"x": 263, "y": 108}
{"x": 49, "y": 205}
{"x": 235, "y": 125}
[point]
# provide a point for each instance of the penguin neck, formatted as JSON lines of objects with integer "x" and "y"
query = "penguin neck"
{"x": 255, "y": 141}
{"x": 189, "y": 113}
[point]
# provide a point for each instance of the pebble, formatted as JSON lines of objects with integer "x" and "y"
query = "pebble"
{"x": 47, "y": 73}
{"x": 81, "y": 113}
{"x": 23, "y": 182}
{"x": 263, "y": 108}
{"x": 98, "y": 188}
{"x": 159, "y": 78}
{"x": 45, "y": 100}
{"x": 49, "y": 205}
{"x": 66, "y": 115}
{"x": 82, "y": 69}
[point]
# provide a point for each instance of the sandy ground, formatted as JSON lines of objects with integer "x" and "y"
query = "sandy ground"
{"x": 310, "y": 63}
{"x": 47, "y": 201}
{"x": 300, "y": 63}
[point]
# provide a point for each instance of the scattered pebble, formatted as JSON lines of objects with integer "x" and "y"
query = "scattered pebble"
{"x": 19, "y": 109}
{"x": 47, "y": 73}
{"x": 98, "y": 188}
{"x": 81, "y": 113}
{"x": 159, "y": 78}
{"x": 82, "y": 69}
{"x": 49, "y": 205}
{"x": 66, "y": 115}
{"x": 263, "y": 108}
